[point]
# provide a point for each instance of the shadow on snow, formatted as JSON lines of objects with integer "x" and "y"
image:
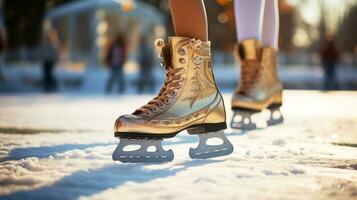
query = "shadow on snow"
{"x": 46, "y": 151}
{"x": 87, "y": 183}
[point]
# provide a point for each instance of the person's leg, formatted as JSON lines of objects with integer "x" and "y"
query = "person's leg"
{"x": 121, "y": 80}
{"x": 45, "y": 77}
{"x": 335, "y": 85}
{"x": 110, "y": 81}
{"x": 53, "y": 79}
{"x": 270, "y": 27}
{"x": 189, "y": 18}
{"x": 248, "y": 14}
{"x": 330, "y": 73}
{"x": 325, "y": 85}
{"x": 141, "y": 82}
{"x": 2, "y": 76}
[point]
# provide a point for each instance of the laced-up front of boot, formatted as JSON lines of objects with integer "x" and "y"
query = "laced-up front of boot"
{"x": 172, "y": 83}
{"x": 250, "y": 72}
{"x": 249, "y": 57}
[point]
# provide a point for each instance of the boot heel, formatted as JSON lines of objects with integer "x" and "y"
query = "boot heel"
{"x": 206, "y": 128}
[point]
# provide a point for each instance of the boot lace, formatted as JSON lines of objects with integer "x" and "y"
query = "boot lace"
{"x": 168, "y": 91}
{"x": 250, "y": 71}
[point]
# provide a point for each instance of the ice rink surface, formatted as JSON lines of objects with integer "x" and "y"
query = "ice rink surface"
{"x": 60, "y": 146}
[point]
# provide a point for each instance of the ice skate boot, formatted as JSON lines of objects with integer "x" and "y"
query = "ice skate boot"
{"x": 188, "y": 100}
{"x": 259, "y": 86}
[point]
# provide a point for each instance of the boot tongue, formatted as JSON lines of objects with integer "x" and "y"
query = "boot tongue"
{"x": 178, "y": 48}
{"x": 248, "y": 50}
{"x": 249, "y": 55}
{"x": 166, "y": 56}
{"x": 166, "y": 59}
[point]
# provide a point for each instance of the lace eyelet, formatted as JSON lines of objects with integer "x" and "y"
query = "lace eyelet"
{"x": 182, "y": 51}
{"x": 180, "y": 78}
{"x": 182, "y": 60}
{"x": 166, "y": 101}
{"x": 155, "y": 110}
{"x": 161, "y": 105}
{"x": 146, "y": 113}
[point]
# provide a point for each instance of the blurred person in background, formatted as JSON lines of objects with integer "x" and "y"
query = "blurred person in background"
{"x": 355, "y": 56}
{"x": 330, "y": 55}
{"x": 2, "y": 50}
{"x": 146, "y": 62}
{"x": 116, "y": 58}
{"x": 50, "y": 56}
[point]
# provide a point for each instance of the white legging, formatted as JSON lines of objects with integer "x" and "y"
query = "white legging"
{"x": 257, "y": 19}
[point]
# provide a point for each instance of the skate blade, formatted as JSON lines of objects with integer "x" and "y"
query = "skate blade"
{"x": 242, "y": 126}
{"x": 276, "y": 117}
{"x": 244, "y": 122}
{"x": 273, "y": 122}
{"x": 142, "y": 155}
{"x": 204, "y": 151}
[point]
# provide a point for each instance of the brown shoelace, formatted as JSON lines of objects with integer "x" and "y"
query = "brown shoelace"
{"x": 168, "y": 90}
{"x": 250, "y": 71}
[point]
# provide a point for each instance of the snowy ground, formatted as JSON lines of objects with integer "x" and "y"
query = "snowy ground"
{"x": 59, "y": 147}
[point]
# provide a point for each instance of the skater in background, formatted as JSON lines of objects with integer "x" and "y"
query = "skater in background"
{"x": 330, "y": 55}
{"x": 259, "y": 86}
{"x": 115, "y": 59}
{"x": 146, "y": 62}
{"x": 50, "y": 55}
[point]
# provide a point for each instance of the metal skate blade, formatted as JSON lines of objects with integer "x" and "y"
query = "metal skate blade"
{"x": 204, "y": 151}
{"x": 273, "y": 122}
{"x": 242, "y": 126}
{"x": 276, "y": 117}
{"x": 244, "y": 122}
{"x": 142, "y": 155}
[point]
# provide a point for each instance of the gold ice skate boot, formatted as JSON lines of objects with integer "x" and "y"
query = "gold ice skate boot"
{"x": 259, "y": 86}
{"x": 188, "y": 100}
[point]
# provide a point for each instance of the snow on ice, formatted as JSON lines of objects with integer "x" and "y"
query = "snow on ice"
{"x": 59, "y": 147}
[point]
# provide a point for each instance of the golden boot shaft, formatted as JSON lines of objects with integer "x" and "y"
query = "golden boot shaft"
{"x": 259, "y": 85}
{"x": 188, "y": 98}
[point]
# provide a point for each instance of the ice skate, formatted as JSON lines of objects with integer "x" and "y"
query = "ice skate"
{"x": 188, "y": 100}
{"x": 259, "y": 87}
